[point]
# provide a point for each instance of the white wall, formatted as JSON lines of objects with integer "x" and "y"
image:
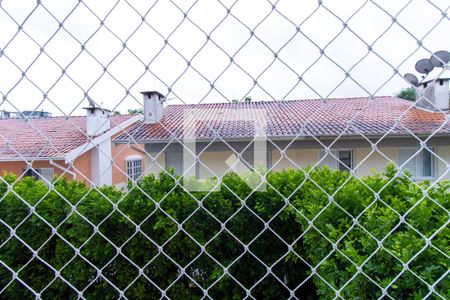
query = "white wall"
{"x": 101, "y": 169}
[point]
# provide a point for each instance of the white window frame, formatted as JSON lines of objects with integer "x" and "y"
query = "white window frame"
{"x": 134, "y": 167}
{"x": 416, "y": 157}
{"x": 335, "y": 153}
{"x": 38, "y": 174}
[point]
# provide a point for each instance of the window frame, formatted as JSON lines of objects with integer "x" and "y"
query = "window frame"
{"x": 335, "y": 152}
{"x": 36, "y": 173}
{"x": 433, "y": 162}
{"x": 32, "y": 172}
{"x": 133, "y": 163}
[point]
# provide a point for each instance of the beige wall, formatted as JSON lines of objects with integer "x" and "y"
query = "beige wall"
{"x": 444, "y": 153}
{"x": 368, "y": 161}
{"x": 309, "y": 157}
{"x": 216, "y": 161}
{"x": 294, "y": 159}
{"x": 365, "y": 160}
{"x": 157, "y": 166}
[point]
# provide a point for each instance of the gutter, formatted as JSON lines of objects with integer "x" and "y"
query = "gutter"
{"x": 30, "y": 159}
{"x": 74, "y": 176}
{"x": 282, "y": 138}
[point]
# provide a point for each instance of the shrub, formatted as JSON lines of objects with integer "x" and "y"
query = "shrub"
{"x": 370, "y": 235}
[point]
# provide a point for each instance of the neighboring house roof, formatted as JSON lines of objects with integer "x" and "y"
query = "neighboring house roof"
{"x": 284, "y": 119}
{"x": 51, "y": 138}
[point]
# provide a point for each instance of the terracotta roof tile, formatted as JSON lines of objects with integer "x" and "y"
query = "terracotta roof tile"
{"x": 44, "y": 137}
{"x": 291, "y": 118}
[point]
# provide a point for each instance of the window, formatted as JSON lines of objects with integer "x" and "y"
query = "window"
{"x": 44, "y": 174}
{"x": 134, "y": 167}
{"x": 421, "y": 166}
{"x": 345, "y": 162}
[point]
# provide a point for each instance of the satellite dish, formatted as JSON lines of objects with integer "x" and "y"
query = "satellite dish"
{"x": 411, "y": 78}
{"x": 424, "y": 66}
{"x": 91, "y": 102}
{"x": 440, "y": 58}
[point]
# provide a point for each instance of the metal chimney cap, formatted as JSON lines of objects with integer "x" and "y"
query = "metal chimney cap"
{"x": 92, "y": 109}
{"x": 149, "y": 93}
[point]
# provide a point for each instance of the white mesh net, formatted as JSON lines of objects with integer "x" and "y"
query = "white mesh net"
{"x": 266, "y": 162}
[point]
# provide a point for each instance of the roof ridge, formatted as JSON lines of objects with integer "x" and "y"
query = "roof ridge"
{"x": 278, "y": 101}
{"x": 63, "y": 117}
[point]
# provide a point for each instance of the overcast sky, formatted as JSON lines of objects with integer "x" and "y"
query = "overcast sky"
{"x": 295, "y": 31}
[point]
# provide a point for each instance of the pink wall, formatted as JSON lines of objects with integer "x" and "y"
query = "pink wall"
{"x": 17, "y": 167}
{"x": 119, "y": 154}
{"x": 82, "y": 167}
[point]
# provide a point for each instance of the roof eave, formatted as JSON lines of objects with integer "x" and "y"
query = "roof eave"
{"x": 80, "y": 150}
{"x": 280, "y": 138}
{"x": 15, "y": 159}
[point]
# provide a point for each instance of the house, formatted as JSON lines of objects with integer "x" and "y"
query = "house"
{"x": 78, "y": 147}
{"x": 360, "y": 135}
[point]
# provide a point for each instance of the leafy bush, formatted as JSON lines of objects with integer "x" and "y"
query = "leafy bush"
{"x": 371, "y": 235}
{"x": 407, "y": 93}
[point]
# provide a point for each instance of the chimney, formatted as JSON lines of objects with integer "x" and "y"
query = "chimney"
{"x": 97, "y": 121}
{"x": 434, "y": 94}
{"x": 153, "y": 106}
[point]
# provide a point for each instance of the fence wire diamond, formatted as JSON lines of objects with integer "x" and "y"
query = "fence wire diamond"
{"x": 287, "y": 206}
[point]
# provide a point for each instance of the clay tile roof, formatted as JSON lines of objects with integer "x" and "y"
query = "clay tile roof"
{"x": 284, "y": 119}
{"x": 44, "y": 137}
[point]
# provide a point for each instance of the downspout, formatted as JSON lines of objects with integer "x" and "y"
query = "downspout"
{"x": 63, "y": 169}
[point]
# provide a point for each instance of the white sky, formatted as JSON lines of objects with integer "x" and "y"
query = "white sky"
{"x": 277, "y": 79}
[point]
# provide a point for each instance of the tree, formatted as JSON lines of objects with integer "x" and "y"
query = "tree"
{"x": 136, "y": 111}
{"x": 246, "y": 99}
{"x": 407, "y": 93}
{"x": 310, "y": 235}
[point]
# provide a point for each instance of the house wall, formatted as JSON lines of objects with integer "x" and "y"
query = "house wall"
{"x": 213, "y": 164}
{"x": 17, "y": 167}
{"x": 304, "y": 153}
{"x": 119, "y": 155}
{"x": 157, "y": 166}
{"x": 443, "y": 166}
{"x": 294, "y": 158}
{"x": 368, "y": 161}
{"x": 82, "y": 167}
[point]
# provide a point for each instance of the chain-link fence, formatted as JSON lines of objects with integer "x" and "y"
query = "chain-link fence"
{"x": 265, "y": 162}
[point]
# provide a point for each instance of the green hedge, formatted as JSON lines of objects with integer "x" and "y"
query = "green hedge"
{"x": 400, "y": 217}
